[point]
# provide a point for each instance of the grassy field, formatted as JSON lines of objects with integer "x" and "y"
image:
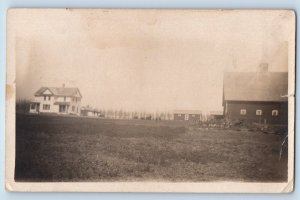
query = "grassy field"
{"x": 57, "y": 148}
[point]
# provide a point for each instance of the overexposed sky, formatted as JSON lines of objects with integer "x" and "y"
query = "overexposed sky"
{"x": 145, "y": 59}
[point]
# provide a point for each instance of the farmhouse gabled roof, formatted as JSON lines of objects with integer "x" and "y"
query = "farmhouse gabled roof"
{"x": 59, "y": 91}
{"x": 255, "y": 86}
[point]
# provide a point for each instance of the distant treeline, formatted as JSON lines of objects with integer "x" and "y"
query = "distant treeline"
{"x": 121, "y": 114}
{"x": 22, "y": 106}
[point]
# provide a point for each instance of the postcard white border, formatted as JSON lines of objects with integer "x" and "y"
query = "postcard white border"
{"x": 182, "y": 187}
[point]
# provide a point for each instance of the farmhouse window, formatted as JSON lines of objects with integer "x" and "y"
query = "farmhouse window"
{"x": 274, "y": 112}
{"x": 44, "y": 98}
{"x": 193, "y": 115}
{"x": 179, "y": 115}
{"x": 73, "y": 108}
{"x": 243, "y": 112}
{"x": 46, "y": 107}
{"x": 258, "y": 112}
{"x": 65, "y": 98}
{"x": 32, "y": 106}
{"x": 49, "y": 98}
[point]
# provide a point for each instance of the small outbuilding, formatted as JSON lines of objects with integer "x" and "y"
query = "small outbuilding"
{"x": 187, "y": 115}
{"x": 89, "y": 112}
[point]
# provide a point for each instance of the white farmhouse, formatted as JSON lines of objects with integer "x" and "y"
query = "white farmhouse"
{"x": 60, "y": 100}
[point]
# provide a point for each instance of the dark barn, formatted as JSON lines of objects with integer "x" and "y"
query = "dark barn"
{"x": 259, "y": 97}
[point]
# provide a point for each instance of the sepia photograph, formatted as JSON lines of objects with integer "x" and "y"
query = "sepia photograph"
{"x": 150, "y": 100}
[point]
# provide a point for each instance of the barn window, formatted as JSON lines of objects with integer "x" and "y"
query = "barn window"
{"x": 274, "y": 112}
{"x": 243, "y": 112}
{"x": 46, "y": 107}
{"x": 258, "y": 112}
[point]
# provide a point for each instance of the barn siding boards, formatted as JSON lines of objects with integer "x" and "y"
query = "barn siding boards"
{"x": 179, "y": 116}
{"x": 234, "y": 111}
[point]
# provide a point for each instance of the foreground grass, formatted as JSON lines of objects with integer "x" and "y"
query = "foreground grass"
{"x": 55, "y": 148}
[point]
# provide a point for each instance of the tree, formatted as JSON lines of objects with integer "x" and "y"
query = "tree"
{"x": 22, "y": 106}
{"x": 120, "y": 114}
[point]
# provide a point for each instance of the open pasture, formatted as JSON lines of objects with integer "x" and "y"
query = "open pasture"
{"x": 61, "y": 148}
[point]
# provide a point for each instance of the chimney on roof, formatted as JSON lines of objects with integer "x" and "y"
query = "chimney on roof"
{"x": 263, "y": 67}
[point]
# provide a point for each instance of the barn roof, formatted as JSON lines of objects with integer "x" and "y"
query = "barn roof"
{"x": 193, "y": 112}
{"x": 59, "y": 91}
{"x": 216, "y": 112}
{"x": 255, "y": 86}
